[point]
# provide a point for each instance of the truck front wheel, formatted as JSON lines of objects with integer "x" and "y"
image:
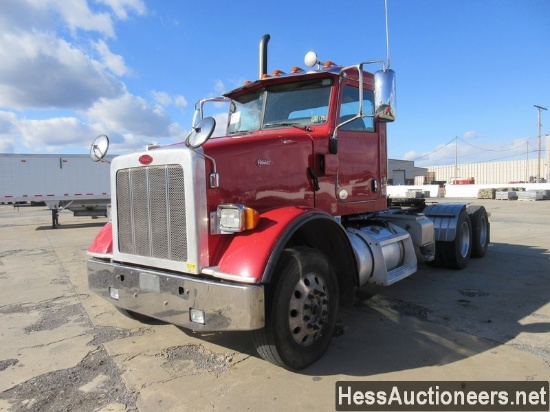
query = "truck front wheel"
{"x": 301, "y": 306}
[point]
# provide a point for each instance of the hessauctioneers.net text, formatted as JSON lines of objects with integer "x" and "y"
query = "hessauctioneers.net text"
{"x": 442, "y": 396}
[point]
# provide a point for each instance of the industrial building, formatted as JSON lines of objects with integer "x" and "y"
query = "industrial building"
{"x": 516, "y": 171}
{"x": 404, "y": 172}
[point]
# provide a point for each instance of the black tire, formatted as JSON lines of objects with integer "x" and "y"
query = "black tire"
{"x": 480, "y": 230}
{"x": 301, "y": 306}
{"x": 457, "y": 253}
{"x": 139, "y": 317}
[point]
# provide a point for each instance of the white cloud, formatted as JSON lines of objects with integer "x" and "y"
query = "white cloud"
{"x": 74, "y": 15}
{"x": 7, "y": 146}
{"x": 8, "y": 131}
{"x": 47, "y": 64}
{"x": 51, "y": 15}
{"x": 440, "y": 155}
{"x": 8, "y": 122}
{"x": 177, "y": 133}
{"x": 121, "y": 7}
{"x": 113, "y": 62}
{"x": 25, "y": 15}
{"x": 180, "y": 101}
{"x": 412, "y": 155}
{"x": 55, "y": 132}
{"x": 219, "y": 87}
{"x": 52, "y": 134}
{"x": 163, "y": 99}
{"x": 78, "y": 16}
{"x": 56, "y": 55}
{"x": 38, "y": 71}
{"x": 126, "y": 142}
{"x": 131, "y": 114}
{"x": 130, "y": 122}
{"x": 471, "y": 135}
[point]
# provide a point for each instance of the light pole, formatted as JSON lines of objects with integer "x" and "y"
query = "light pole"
{"x": 539, "y": 108}
{"x": 527, "y": 163}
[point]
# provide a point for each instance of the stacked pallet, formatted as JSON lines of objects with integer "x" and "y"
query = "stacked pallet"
{"x": 414, "y": 194}
{"x": 486, "y": 193}
{"x": 513, "y": 193}
{"x": 506, "y": 195}
{"x": 417, "y": 194}
{"x": 531, "y": 195}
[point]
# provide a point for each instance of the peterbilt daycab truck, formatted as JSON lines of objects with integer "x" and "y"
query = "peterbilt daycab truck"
{"x": 273, "y": 226}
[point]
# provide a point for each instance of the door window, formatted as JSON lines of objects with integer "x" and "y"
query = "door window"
{"x": 350, "y": 107}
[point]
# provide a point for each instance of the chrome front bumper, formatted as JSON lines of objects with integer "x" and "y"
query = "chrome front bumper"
{"x": 169, "y": 297}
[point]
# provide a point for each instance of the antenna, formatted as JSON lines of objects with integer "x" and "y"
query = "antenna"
{"x": 387, "y": 34}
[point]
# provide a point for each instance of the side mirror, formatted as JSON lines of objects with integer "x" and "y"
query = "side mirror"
{"x": 201, "y": 133}
{"x": 99, "y": 148}
{"x": 384, "y": 95}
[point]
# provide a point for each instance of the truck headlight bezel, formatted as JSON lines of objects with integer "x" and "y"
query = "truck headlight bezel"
{"x": 236, "y": 218}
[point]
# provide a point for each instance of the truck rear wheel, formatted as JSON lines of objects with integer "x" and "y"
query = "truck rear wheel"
{"x": 301, "y": 306}
{"x": 457, "y": 252}
{"x": 480, "y": 230}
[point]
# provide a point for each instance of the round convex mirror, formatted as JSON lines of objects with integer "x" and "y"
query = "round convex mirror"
{"x": 99, "y": 148}
{"x": 201, "y": 132}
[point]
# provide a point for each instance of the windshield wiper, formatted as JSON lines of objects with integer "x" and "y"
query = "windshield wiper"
{"x": 296, "y": 125}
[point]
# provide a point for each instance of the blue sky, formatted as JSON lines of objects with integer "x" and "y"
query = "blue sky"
{"x": 466, "y": 69}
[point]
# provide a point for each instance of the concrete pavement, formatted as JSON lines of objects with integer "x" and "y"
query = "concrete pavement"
{"x": 62, "y": 348}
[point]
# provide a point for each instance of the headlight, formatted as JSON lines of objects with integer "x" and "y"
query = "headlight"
{"x": 197, "y": 316}
{"x": 236, "y": 218}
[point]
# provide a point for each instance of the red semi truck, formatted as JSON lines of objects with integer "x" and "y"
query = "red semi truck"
{"x": 273, "y": 226}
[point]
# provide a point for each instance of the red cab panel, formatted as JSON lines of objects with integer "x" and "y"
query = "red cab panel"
{"x": 103, "y": 242}
{"x": 246, "y": 254}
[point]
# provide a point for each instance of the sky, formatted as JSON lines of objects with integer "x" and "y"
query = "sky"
{"x": 469, "y": 72}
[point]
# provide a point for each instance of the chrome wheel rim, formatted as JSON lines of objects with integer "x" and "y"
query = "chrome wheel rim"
{"x": 465, "y": 240}
{"x": 308, "y": 309}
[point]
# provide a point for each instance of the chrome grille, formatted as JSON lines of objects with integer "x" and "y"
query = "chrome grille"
{"x": 151, "y": 212}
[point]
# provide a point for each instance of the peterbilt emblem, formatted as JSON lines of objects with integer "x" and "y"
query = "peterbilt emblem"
{"x": 263, "y": 162}
{"x": 145, "y": 159}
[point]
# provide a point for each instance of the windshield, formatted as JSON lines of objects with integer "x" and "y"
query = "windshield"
{"x": 296, "y": 104}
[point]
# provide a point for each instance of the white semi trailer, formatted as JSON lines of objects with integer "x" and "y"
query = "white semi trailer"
{"x": 61, "y": 181}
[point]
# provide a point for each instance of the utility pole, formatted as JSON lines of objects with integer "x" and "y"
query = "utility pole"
{"x": 539, "y": 108}
{"x": 456, "y": 158}
{"x": 527, "y": 163}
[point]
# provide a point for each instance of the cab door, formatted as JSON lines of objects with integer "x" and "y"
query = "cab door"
{"x": 358, "y": 149}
